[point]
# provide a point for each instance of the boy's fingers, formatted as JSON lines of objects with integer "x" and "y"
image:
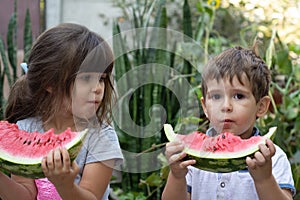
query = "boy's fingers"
{"x": 251, "y": 163}
{"x": 271, "y": 146}
{"x": 186, "y": 163}
{"x": 172, "y": 148}
{"x": 259, "y": 158}
{"x": 177, "y": 157}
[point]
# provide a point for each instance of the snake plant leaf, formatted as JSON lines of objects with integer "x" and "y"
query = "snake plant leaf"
{"x": 27, "y": 36}
{"x": 12, "y": 46}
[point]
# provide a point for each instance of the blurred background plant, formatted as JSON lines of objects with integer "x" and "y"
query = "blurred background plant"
{"x": 9, "y": 53}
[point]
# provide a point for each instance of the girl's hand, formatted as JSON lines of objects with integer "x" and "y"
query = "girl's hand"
{"x": 174, "y": 156}
{"x": 58, "y": 168}
{"x": 260, "y": 167}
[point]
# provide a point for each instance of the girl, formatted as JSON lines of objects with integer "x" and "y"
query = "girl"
{"x": 68, "y": 84}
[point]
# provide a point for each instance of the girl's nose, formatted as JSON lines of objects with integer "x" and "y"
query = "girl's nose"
{"x": 97, "y": 87}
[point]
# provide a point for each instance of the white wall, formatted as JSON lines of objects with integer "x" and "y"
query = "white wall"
{"x": 86, "y": 12}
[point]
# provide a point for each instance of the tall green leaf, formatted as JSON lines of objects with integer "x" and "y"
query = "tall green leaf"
{"x": 12, "y": 44}
{"x": 27, "y": 37}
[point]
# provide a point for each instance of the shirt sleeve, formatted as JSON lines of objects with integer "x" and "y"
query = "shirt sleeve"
{"x": 104, "y": 145}
{"x": 282, "y": 170}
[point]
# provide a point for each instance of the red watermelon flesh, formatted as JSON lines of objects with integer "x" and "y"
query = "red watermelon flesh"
{"x": 223, "y": 143}
{"x": 21, "y": 152}
{"x": 223, "y": 153}
{"x": 33, "y": 145}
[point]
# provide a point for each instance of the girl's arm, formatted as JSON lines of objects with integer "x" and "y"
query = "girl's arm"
{"x": 61, "y": 172}
{"x": 95, "y": 179}
{"x": 260, "y": 168}
{"x": 17, "y": 187}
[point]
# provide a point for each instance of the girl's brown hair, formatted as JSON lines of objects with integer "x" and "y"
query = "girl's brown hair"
{"x": 238, "y": 61}
{"x": 57, "y": 56}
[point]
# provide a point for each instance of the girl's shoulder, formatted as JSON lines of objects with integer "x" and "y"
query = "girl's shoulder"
{"x": 103, "y": 131}
{"x": 31, "y": 124}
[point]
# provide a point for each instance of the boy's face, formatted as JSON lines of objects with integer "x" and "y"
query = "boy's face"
{"x": 88, "y": 94}
{"x": 231, "y": 107}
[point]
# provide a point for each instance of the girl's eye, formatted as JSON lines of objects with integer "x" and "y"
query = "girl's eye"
{"x": 102, "y": 78}
{"x": 238, "y": 96}
{"x": 85, "y": 77}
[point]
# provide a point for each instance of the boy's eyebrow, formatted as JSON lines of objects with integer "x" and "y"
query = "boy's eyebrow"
{"x": 214, "y": 90}
{"x": 238, "y": 89}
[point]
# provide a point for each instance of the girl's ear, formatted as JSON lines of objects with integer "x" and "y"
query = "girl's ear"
{"x": 49, "y": 89}
{"x": 203, "y": 106}
{"x": 263, "y": 106}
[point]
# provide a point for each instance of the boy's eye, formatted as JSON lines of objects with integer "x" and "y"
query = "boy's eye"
{"x": 215, "y": 96}
{"x": 238, "y": 96}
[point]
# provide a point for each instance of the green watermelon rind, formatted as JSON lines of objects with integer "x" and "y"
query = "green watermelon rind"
{"x": 31, "y": 168}
{"x": 219, "y": 162}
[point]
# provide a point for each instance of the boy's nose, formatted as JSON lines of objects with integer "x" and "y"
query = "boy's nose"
{"x": 227, "y": 105}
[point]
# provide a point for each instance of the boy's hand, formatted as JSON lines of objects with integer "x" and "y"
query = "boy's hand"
{"x": 260, "y": 167}
{"x": 174, "y": 156}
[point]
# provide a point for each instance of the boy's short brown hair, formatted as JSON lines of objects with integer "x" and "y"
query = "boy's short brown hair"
{"x": 238, "y": 61}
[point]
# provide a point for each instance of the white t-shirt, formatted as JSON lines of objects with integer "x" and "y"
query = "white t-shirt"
{"x": 205, "y": 185}
{"x": 99, "y": 145}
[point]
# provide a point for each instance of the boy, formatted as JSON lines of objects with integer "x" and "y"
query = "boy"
{"x": 235, "y": 86}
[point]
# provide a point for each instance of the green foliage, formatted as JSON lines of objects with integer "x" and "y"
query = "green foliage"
{"x": 8, "y": 53}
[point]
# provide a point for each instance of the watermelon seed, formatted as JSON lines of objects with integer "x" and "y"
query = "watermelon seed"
{"x": 38, "y": 141}
{"x": 223, "y": 136}
{"x": 29, "y": 142}
{"x": 25, "y": 142}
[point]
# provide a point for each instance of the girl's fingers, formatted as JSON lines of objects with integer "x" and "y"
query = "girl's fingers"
{"x": 44, "y": 165}
{"x": 49, "y": 160}
{"x": 57, "y": 157}
{"x": 66, "y": 160}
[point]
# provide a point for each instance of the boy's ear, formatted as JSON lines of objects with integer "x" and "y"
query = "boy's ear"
{"x": 263, "y": 106}
{"x": 203, "y": 106}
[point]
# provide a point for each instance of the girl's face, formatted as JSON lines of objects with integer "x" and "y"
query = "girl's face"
{"x": 231, "y": 107}
{"x": 88, "y": 92}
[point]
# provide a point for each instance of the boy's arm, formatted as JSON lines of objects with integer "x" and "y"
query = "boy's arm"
{"x": 175, "y": 188}
{"x": 269, "y": 189}
{"x": 260, "y": 168}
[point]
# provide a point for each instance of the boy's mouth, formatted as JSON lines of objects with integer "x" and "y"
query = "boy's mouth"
{"x": 227, "y": 120}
